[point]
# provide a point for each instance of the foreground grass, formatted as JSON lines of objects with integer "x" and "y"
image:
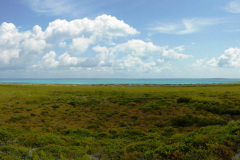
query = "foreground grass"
{"x": 119, "y": 122}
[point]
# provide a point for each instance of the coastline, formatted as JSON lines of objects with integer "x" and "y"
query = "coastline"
{"x": 118, "y": 81}
{"x": 126, "y": 85}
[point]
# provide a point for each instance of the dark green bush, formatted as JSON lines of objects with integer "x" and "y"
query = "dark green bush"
{"x": 189, "y": 120}
{"x": 140, "y": 147}
{"x": 152, "y": 107}
{"x": 44, "y": 113}
{"x": 80, "y": 132}
{"x": 32, "y": 114}
{"x": 183, "y": 121}
{"x": 5, "y": 135}
{"x": 132, "y": 133}
{"x": 183, "y": 100}
{"x": 55, "y": 106}
{"x": 102, "y": 135}
{"x": 201, "y": 122}
{"x": 18, "y": 118}
{"x": 169, "y": 131}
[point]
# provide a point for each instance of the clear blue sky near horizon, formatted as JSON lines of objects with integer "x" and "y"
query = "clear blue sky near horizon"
{"x": 119, "y": 39}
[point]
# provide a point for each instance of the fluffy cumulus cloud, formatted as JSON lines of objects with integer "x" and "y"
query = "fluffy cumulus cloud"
{"x": 82, "y": 44}
{"x": 186, "y": 26}
{"x": 145, "y": 50}
{"x": 66, "y": 60}
{"x": 137, "y": 48}
{"x": 18, "y": 49}
{"x": 48, "y": 61}
{"x": 131, "y": 63}
{"x": 102, "y": 28}
{"x": 79, "y": 45}
{"x": 137, "y": 55}
{"x": 230, "y": 58}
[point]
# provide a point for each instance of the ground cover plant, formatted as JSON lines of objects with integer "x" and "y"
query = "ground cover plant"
{"x": 41, "y": 122}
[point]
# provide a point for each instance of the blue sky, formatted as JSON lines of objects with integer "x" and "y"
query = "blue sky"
{"x": 119, "y": 39}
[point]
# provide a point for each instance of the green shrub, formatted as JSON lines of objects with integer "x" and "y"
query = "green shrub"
{"x": 20, "y": 152}
{"x": 44, "y": 113}
{"x": 140, "y": 147}
{"x": 151, "y": 107}
{"x": 206, "y": 122}
{"x": 39, "y": 139}
{"x": 55, "y": 106}
{"x": 189, "y": 120}
{"x": 79, "y": 132}
{"x": 102, "y": 135}
{"x": 183, "y": 100}
{"x": 183, "y": 121}
{"x": 132, "y": 133}
{"x": 5, "y": 135}
{"x": 169, "y": 131}
{"x": 32, "y": 114}
{"x": 18, "y": 118}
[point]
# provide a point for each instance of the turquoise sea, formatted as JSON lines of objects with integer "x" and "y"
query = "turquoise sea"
{"x": 83, "y": 81}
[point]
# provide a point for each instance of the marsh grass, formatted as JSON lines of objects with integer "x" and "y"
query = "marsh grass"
{"x": 119, "y": 122}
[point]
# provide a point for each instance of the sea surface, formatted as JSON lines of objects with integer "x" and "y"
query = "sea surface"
{"x": 84, "y": 81}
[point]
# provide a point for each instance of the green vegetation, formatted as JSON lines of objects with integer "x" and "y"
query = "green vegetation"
{"x": 48, "y": 122}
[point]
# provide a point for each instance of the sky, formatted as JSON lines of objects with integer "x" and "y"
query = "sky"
{"x": 119, "y": 39}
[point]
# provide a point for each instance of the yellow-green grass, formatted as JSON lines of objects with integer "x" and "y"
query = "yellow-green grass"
{"x": 119, "y": 121}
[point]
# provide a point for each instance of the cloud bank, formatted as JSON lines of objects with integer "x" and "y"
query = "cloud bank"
{"x": 82, "y": 44}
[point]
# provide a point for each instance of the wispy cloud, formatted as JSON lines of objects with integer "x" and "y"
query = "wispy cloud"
{"x": 233, "y": 6}
{"x": 76, "y": 8}
{"x": 55, "y": 7}
{"x": 186, "y": 26}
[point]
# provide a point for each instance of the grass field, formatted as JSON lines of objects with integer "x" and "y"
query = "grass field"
{"x": 119, "y": 122}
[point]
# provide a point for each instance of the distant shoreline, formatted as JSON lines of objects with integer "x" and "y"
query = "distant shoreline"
{"x": 118, "y": 81}
{"x": 124, "y": 85}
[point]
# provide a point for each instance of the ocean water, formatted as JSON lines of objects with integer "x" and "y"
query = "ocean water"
{"x": 162, "y": 81}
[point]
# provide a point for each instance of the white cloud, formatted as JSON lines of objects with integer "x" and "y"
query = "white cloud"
{"x": 66, "y": 60}
{"x": 101, "y": 28}
{"x": 138, "y": 55}
{"x": 65, "y": 45}
{"x": 131, "y": 63}
{"x": 53, "y": 7}
{"x": 230, "y": 58}
{"x": 48, "y": 61}
{"x": 33, "y": 45}
{"x": 79, "y": 45}
{"x": 17, "y": 49}
{"x": 145, "y": 50}
{"x": 137, "y": 48}
{"x": 187, "y": 26}
{"x": 180, "y": 48}
{"x": 105, "y": 56}
{"x": 62, "y": 44}
{"x": 212, "y": 62}
{"x": 173, "y": 54}
{"x": 233, "y": 6}
{"x": 22, "y": 49}
{"x": 7, "y": 55}
{"x": 199, "y": 64}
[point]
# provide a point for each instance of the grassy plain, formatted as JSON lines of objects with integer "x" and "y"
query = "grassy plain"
{"x": 119, "y": 122}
